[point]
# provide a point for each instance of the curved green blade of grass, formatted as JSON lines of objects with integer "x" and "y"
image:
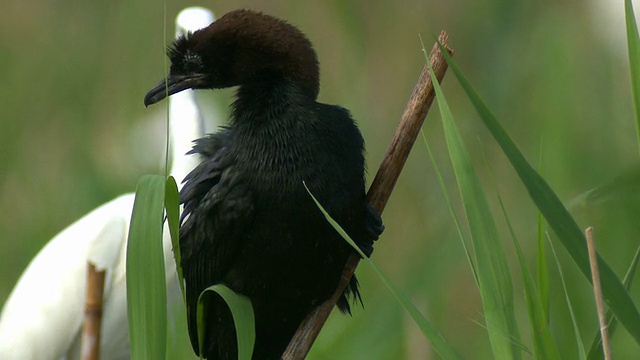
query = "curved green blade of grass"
{"x": 633, "y": 45}
{"x": 542, "y": 269}
{"x": 243, "y": 318}
{"x": 554, "y": 212}
{"x": 146, "y": 286}
{"x": 445, "y": 192}
{"x": 541, "y": 259}
{"x": 493, "y": 273}
{"x": 440, "y": 345}
{"x": 544, "y": 345}
{"x": 581, "y": 354}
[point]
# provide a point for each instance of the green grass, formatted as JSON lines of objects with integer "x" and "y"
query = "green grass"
{"x": 146, "y": 289}
{"x": 556, "y": 214}
{"x": 242, "y": 313}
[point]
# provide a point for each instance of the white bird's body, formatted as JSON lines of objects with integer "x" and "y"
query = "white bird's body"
{"x": 42, "y": 318}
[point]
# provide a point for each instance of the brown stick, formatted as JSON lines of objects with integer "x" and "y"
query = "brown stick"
{"x": 597, "y": 289}
{"x": 380, "y": 190}
{"x": 92, "y": 313}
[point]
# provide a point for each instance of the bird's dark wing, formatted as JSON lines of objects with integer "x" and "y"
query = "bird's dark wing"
{"x": 217, "y": 206}
{"x": 346, "y": 202}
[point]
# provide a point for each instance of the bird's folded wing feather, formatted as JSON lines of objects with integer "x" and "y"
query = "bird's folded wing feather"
{"x": 217, "y": 208}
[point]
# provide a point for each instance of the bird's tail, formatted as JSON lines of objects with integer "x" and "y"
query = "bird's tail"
{"x": 350, "y": 294}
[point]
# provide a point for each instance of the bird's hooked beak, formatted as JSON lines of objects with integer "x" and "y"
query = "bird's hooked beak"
{"x": 173, "y": 84}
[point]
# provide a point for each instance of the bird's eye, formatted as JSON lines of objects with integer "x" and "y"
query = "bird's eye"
{"x": 192, "y": 63}
{"x": 188, "y": 63}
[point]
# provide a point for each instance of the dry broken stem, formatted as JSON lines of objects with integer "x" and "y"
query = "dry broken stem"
{"x": 93, "y": 313}
{"x": 380, "y": 190}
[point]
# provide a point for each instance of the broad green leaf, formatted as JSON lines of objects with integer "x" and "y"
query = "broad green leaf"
{"x": 146, "y": 286}
{"x": 555, "y": 213}
{"x": 243, "y": 318}
{"x": 493, "y": 273}
{"x": 440, "y": 345}
{"x": 178, "y": 342}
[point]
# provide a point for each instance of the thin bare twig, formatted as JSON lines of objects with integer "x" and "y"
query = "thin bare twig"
{"x": 380, "y": 190}
{"x": 92, "y": 313}
{"x": 595, "y": 276}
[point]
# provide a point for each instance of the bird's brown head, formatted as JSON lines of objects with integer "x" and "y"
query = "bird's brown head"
{"x": 243, "y": 47}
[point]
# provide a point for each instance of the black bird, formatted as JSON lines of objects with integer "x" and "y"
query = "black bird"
{"x": 248, "y": 221}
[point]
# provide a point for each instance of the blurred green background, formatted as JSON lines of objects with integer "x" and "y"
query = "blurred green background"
{"x": 75, "y": 134}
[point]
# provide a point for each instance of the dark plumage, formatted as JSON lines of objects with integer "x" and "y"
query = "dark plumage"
{"x": 248, "y": 221}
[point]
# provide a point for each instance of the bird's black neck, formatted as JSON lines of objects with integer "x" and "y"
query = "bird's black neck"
{"x": 267, "y": 101}
{"x": 275, "y": 121}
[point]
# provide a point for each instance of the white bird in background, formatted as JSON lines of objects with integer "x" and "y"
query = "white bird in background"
{"x": 42, "y": 319}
